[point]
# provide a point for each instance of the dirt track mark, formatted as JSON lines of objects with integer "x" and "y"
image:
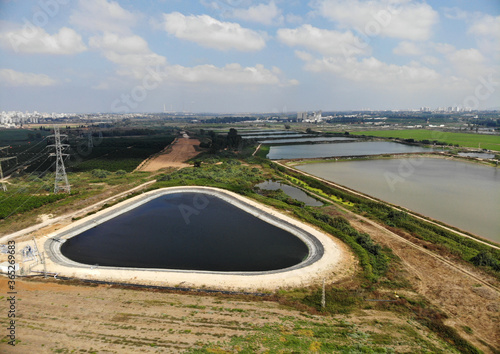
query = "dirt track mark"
{"x": 175, "y": 155}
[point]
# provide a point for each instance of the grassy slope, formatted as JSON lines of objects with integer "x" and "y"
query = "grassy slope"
{"x": 491, "y": 142}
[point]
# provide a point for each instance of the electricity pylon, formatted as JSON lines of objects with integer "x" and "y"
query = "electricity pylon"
{"x": 61, "y": 183}
{"x": 90, "y": 144}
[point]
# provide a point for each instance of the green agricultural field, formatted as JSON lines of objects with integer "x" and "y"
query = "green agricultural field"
{"x": 491, "y": 142}
{"x": 12, "y": 136}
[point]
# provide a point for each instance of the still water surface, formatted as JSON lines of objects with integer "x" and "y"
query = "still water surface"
{"x": 462, "y": 194}
{"x": 189, "y": 231}
{"x": 340, "y": 149}
{"x": 304, "y": 140}
{"x": 481, "y": 155}
{"x": 291, "y": 191}
{"x": 277, "y": 136}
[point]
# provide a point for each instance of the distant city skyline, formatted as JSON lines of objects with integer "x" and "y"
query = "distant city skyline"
{"x": 225, "y": 56}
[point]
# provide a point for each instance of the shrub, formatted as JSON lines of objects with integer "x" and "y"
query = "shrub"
{"x": 100, "y": 173}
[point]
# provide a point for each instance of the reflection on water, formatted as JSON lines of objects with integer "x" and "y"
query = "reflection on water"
{"x": 291, "y": 191}
{"x": 481, "y": 155}
{"x": 291, "y": 135}
{"x": 341, "y": 149}
{"x": 302, "y": 140}
{"x": 462, "y": 194}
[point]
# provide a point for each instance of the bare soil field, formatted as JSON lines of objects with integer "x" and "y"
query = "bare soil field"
{"x": 458, "y": 290}
{"x": 174, "y": 155}
{"x": 99, "y": 319}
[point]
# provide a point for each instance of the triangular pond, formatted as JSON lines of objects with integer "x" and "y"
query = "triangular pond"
{"x": 187, "y": 231}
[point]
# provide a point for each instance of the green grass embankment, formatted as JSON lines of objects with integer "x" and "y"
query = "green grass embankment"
{"x": 491, "y": 142}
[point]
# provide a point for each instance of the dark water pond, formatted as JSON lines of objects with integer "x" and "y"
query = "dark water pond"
{"x": 291, "y": 191}
{"x": 189, "y": 231}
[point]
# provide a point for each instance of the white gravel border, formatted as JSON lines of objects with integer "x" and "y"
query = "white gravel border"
{"x": 328, "y": 257}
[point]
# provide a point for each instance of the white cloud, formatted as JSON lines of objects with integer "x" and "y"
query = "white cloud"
{"x": 373, "y": 71}
{"x": 443, "y": 48}
{"x": 323, "y": 41}
{"x": 102, "y": 15}
{"x": 468, "y": 56}
{"x": 230, "y": 74}
{"x": 486, "y": 25}
{"x": 294, "y": 19}
{"x": 431, "y": 60}
{"x": 119, "y": 44}
{"x": 36, "y": 41}
{"x": 486, "y": 30}
{"x": 407, "y": 48}
{"x": 468, "y": 62}
{"x": 11, "y": 77}
{"x": 265, "y": 14}
{"x": 209, "y": 32}
{"x": 455, "y": 13}
{"x": 130, "y": 53}
{"x": 406, "y": 19}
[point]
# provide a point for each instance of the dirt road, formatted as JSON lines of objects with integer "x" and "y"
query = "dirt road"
{"x": 175, "y": 155}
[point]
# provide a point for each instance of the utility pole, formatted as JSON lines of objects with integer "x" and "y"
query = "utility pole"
{"x": 323, "y": 297}
{"x": 44, "y": 266}
{"x": 61, "y": 183}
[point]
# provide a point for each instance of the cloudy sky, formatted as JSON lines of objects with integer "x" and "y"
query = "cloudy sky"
{"x": 248, "y": 55}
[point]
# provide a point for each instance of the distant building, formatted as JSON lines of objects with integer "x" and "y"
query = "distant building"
{"x": 301, "y": 116}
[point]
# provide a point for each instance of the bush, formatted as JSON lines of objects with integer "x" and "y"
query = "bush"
{"x": 100, "y": 173}
{"x": 486, "y": 259}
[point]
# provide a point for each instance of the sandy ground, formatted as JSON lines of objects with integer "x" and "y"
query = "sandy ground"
{"x": 337, "y": 262}
{"x": 462, "y": 297}
{"x": 57, "y": 318}
{"x": 175, "y": 155}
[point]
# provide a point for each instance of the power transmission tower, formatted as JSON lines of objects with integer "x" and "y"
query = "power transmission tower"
{"x": 4, "y": 186}
{"x": 90, "y": 142}
{"x": 61, "y": 183}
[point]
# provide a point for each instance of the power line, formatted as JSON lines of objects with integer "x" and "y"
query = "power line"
{"x": 21, "y": 188}
{"x": 4, "y": 187}
{"x": 31, "y": 196}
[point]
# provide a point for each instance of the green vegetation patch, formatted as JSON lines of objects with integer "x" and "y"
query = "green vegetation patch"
{"x": 16, "y": 203}
{"x": 116, "y": 153}
{"x": 491, "y": 142}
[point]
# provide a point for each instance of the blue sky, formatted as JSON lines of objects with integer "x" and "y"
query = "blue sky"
{"x": 248, "y": 56}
